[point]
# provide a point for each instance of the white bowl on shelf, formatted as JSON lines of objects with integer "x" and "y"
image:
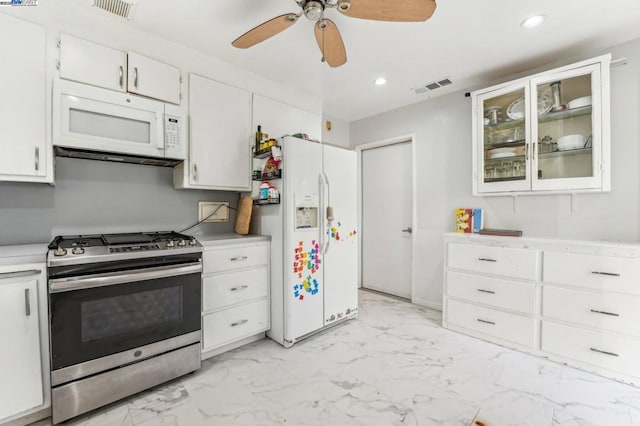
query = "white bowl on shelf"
{"x": 568, "y": 142}
{"x": 502, "y": 153}
{"x": 579, "y": 102}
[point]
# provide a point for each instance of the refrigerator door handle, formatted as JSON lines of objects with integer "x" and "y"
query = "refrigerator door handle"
{"x": 328, "y": 212}
{"x": 321, "y": 227}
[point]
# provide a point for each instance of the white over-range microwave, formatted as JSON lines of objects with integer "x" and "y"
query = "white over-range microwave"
{"x": 90, "y": 122}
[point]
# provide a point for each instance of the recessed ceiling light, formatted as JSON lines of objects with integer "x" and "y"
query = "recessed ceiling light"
{"x": 533, "y": 21}
{"x": 380, "y": 81}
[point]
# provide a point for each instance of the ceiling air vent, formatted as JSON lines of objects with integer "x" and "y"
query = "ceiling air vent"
{"x": 433, "y": 85}
{"x": 117, "y": 7}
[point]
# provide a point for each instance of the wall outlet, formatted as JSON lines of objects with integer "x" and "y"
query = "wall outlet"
{"x": 206, "y": 208}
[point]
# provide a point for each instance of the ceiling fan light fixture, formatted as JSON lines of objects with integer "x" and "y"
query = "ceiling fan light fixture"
{"x": 533, "y": 21}
{"x": 344, "y": 5}
{"x": 313, "y": 10}
{"x": 380, "y": 81}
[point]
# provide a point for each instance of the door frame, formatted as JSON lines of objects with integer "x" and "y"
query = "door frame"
{"x": 410, "y": 138}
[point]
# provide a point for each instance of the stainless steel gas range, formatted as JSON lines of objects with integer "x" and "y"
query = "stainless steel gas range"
{"x": 124, "y": 316}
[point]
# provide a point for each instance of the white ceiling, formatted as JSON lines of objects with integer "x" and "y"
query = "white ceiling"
{"x": 471, "y": 42}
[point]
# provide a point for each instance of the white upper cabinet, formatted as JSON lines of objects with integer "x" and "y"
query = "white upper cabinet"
{"x": 23, "y": 136}
{"x": 219, "y": 138}
{"x": 97, "y": 65}
{"x": 92, "y": 63}
{"x": 152, "y": 78}
{"x": 545, "y": 133}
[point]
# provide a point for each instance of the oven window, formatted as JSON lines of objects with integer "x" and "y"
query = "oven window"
{"x": 109, "y": 126}
{"x": 120, "y": 315}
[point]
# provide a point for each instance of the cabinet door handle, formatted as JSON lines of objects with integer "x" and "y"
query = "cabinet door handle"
{"x": 238, "y": 288}
{"x": 481, "y": 290}
{"x": 485, "y": 321}
{"x": 595, "y": 311}
{"x": 237, "y": 323}
{"x": 235, "y": 259}
{"x": 533, "y": 150}
{"x": 603, "y": 352}
{"x": 485, "y": 259}
{"x": 135, "y": 77}
{"x": 195, "y": 172}
{"x": 37, "y": 158}
{"x": 121, "y": 76}
{"x": 27, "y": 302}
{"x": 609, "y": 274}
{"x": 526, "y": 151}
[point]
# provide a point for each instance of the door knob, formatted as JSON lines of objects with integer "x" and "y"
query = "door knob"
{"x": 409, "y": 230}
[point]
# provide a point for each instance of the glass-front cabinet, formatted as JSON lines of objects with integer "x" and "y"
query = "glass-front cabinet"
{"x": 545, "y": 133}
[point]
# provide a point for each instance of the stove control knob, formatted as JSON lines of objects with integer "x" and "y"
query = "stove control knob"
{"x": 60, "y": 251}
{"x": 77, "y": 250}
{"x": 193, "y": 242}
{"x": 182, "y": 243}
{"x": 171, "y": 243}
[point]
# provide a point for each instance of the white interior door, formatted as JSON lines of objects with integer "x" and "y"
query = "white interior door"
{"x": 386, "y": 219}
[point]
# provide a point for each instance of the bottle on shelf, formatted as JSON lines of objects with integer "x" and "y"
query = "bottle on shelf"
{"x": 258, "y": 138}
{"x": 263, "y": 192}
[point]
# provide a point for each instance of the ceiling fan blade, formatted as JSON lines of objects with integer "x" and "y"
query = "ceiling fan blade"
{"x": 330, "y": 43}
{"x": 386, "y": 10}
{"x": 265, "y": 30}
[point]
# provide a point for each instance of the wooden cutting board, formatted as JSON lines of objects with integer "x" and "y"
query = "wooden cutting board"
{"x": 243, "y": 218}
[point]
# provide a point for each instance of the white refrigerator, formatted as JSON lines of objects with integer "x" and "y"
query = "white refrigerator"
{"x": 314, "y": 246}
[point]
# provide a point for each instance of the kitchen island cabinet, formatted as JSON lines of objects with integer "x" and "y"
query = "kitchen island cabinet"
{"x": 573, "y": 302}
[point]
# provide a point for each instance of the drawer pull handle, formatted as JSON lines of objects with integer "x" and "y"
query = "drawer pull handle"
{"x": 595, "y": 311}
{"x": 481, "y": 290}
{"x": 240, "y": 287}
{"x": 609, "y": 274}
{"x": 235, "y": 259}
{"x": 485, "y": 259}
{"x": 486, "y": 322}
{"x": 603, "y": 352}
{"x": 237, "y": 323}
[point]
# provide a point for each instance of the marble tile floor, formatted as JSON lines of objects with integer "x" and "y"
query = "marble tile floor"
{"x": 393, "y": 365}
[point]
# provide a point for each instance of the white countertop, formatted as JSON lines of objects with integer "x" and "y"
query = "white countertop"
{"x": 25, "y": 253}
{"x": 216, "y": 239}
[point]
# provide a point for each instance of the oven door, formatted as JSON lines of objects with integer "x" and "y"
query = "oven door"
{"x": 99, "y": 315}
{"x": 91, "y": 118}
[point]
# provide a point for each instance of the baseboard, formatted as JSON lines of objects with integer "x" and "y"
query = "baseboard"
{"x": 234, "y": 345}
{"x": 426, "y": 303}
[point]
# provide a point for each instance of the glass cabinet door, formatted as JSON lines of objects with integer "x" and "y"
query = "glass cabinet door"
{"x": 566, "y": 152}
{"x": 502, "y": 119}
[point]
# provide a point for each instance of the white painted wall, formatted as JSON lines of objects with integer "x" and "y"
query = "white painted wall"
{"x": 443, "y": 160}
{"x": 340, "y": 131}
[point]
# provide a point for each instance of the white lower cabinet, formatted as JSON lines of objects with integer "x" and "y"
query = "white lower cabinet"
{"x": 24, "y": 354}
{"x": 576, "y": 303}
{"x": 235, "y": 293}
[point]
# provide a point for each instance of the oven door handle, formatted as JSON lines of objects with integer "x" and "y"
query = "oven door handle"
{"x": 59, "y": 285}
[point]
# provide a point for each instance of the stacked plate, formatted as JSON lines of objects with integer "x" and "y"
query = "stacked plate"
{"x": 502, "y": 153}
{"x": 568, "y": 142}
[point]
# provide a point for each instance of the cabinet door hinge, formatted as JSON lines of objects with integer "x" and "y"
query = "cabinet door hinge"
{"x": 59, "y": 43}
{"x": 58, "y": 65}
{"x": 181, "y": 80}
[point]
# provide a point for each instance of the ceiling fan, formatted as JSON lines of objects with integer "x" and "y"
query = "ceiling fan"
{"x": 327, "y": 35}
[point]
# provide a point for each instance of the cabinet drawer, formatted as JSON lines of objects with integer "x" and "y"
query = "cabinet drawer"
{"x": 232, "y": 324}
{"x": 612, "y": 312}
{"x": 598, "y": 272}
{"x": 502, "y": 325}
{"x": 591, "y": 347}
{"x": 500, "y": 293}
{"x": 228, "y": 289}
{"x": 234, "y": 257}
{"x": 508, "y": 262}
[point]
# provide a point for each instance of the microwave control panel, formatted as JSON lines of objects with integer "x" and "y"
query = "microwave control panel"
{"x": 174, "y": 144}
